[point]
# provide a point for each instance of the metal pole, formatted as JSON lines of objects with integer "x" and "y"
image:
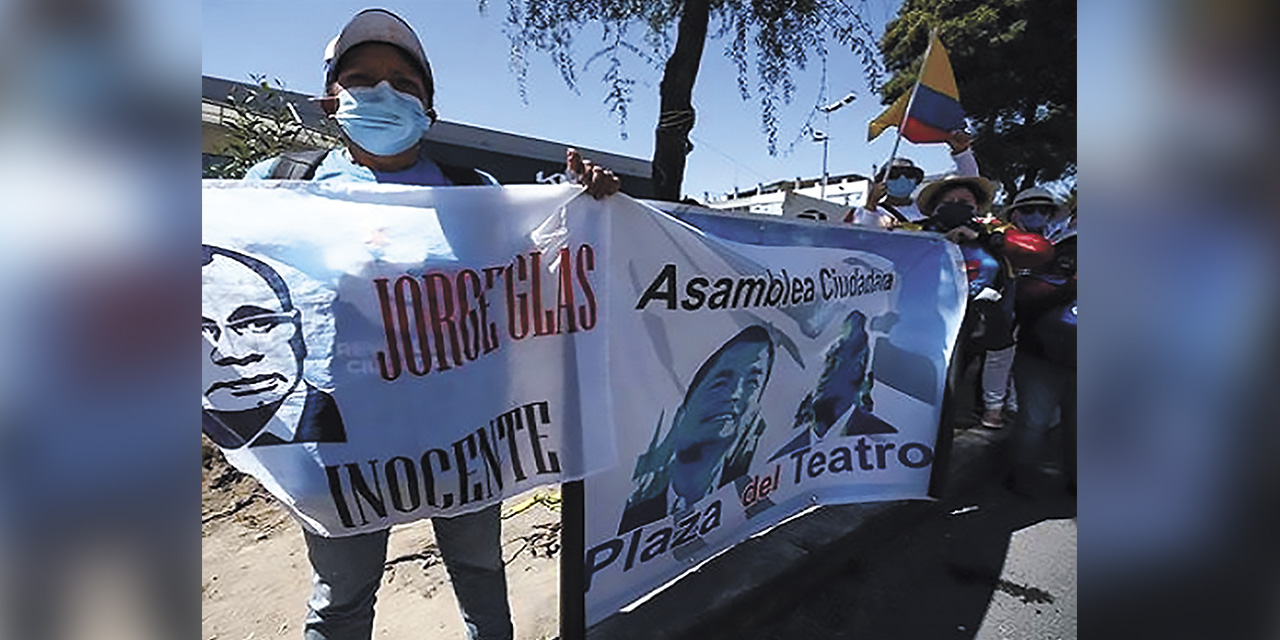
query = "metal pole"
{"x": 823, "y": 193}
{"x": 910, "y": 102}
{"x": 826, "y": 136}
{"x": 573, "y": 552}
{"x": 893, "y": 154}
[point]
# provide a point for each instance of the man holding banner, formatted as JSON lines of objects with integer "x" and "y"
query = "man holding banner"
{"x": 379, "y": 89}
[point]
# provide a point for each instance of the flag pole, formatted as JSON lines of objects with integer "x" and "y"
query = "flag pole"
{"x": 888, "y": 166}
{"x": 910, "y": 101}
{"x": 894, "y": 154}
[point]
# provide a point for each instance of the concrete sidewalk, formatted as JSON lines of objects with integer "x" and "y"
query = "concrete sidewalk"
{"x": 728, "y": 593}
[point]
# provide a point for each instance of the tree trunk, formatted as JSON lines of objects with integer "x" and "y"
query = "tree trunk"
{"x": 671, "y": 138}
{"x": 1028, "y": 176}
{"x": 991, "y": 164}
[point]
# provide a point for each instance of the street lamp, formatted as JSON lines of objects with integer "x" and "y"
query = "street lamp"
{"x": 821, "y": 136}
{"x": 840, "y": 103}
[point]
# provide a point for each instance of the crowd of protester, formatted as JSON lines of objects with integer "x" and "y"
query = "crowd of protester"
{"x": 1020, "y": 321}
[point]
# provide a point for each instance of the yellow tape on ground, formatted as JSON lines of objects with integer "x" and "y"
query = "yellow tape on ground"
{"x": 550, "y": 498}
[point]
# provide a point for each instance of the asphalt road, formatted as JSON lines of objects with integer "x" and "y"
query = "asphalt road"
{"x": 994, "y": 566}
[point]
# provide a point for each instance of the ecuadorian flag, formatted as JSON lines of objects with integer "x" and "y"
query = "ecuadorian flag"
{"x": 891, "y": 117}
{"x": 934, "y": 109}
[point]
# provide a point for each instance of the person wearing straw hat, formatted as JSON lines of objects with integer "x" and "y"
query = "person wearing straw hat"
{"x": 1044, "y": 366}
{"x": 953, "y": 204}
{"x": 1034, "y": 210}
{"x": 1028, "y": 250}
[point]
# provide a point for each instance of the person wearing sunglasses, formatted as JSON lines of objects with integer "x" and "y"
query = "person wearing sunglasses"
{"x": 1034, "y": 210}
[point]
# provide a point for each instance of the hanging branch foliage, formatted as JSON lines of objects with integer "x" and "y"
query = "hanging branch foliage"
{"x": 266, "y": 124}
{"x": 772, "y": 37}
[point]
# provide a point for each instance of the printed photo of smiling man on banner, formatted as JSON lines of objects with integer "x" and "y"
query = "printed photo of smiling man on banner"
{"x": 711, "y": 438}
{"x": 760, "y": 367}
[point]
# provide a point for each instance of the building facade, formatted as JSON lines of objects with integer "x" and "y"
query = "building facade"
{"x": 511, "y": 158}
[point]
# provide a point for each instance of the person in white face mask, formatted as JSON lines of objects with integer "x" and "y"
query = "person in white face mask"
{"x": 380, "y": 91}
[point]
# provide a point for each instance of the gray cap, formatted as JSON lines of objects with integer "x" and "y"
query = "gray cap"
{"x": 375, "y": 25}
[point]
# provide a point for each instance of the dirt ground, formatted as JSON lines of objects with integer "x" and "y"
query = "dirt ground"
{"x": 255, "y": 578}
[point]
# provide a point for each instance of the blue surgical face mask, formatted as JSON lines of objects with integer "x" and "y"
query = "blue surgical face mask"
{"x": 900, "y": 187}
{"x": 380, "y": 119}
{"x": 1033, "y": 221}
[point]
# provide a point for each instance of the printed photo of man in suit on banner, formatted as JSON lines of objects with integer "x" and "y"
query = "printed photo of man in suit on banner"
{"x": 251, "y": 365}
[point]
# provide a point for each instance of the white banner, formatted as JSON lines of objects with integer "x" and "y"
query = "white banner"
{"x": 378, "y": 354}
{"x": 381, "y": 354}
{"x": 761, "y": 366}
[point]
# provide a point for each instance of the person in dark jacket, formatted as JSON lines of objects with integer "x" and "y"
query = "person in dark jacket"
{"x": 1045, "y": 368}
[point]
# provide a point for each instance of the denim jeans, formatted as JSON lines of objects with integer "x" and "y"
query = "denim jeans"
{"x": 997, "y": 390}
{"x": 346, "y": 573}
{"x": 1045, "y": 390}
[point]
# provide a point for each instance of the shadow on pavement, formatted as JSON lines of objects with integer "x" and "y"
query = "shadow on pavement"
{"x": 932, "y": 581}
